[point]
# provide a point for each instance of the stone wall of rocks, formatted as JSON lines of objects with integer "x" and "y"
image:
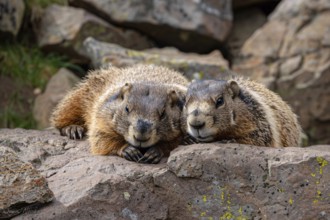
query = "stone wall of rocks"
{"x": 204, "y": 181}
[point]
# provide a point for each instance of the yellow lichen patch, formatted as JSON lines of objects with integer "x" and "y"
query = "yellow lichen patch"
{"x": 127, "y": 196}
{"x": 313, "y": 174}
{"x": 322, "y": 163}
{"x": 291, "y": 201}
{"x": 204, "y": 198}
{"x": 203, "y": 214}
{"x": 226, "y": 215}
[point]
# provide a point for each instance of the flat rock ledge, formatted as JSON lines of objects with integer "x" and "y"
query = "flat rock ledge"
{"x": 201, "y": 181}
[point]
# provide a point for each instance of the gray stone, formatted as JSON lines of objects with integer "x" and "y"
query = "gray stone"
{"x": 290, "y": 55}
{"x": 247, "y": 3}
{"x": 63, "y": 29}
{"x": 245, "y": 23}
{"x": 179, "y": 23}
{"x": 194, "y": 66}
{"x": 57, "y": 87}
{"x": 11, "y": 17}
{"x": 201, "y": 181}
{"x": 21, "y": 186}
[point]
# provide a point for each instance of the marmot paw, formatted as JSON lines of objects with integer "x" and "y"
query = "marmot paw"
{"x": 153, "y": 155}
{"x": 73, "y": 131}
{"x": 132, "y": 153}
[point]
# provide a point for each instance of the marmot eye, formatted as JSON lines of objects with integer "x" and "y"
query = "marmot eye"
{"x": 126, "y": 109}
{"x": 219, "y": 102}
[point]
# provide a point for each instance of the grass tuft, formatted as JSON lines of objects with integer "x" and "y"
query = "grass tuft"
{"x": 29, "y": 64}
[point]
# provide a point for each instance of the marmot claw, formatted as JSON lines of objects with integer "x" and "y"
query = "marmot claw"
{"x": 152, "y": 156}
{"x": 132, "y": 153}
{"x": 73, "y": 132}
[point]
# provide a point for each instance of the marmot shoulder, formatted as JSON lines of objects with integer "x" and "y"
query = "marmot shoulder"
{"x": 133, "y": 112}
{"x": 239, "y": 110}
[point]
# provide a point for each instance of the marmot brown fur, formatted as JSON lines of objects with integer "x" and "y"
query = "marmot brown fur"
{"x": 133, "y": 112}
{"x": 241, "y": 111}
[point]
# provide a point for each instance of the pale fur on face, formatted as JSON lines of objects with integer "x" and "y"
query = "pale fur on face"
{"x": 201, "y": 108}
{"x": 154, "y": 106}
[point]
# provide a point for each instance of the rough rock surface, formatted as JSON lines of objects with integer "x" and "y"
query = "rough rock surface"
{"x": 21, "y": 186}
{"x": 191, "y": 65}
{"x": 291, "y": 54}
{"x": 246, "y": 3}
{"x": 179, "y": 23}
{"x": 245, "y": 23}
{"x": 203, "y": 181}
{"x": 64, "y": 29}
{"x": 11, "y": 16}
{"x": 55, "y": 90}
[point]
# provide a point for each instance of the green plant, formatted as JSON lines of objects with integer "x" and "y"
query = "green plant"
{"x": 29, "y": 64}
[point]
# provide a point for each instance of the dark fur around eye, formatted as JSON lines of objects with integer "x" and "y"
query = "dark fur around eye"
{"x": 219, "y": 102}
{"x": 162, "y": 115}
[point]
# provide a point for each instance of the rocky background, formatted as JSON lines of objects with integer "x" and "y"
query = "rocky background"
{"x": 47, "y": 46}
{"x": 283, "y": 44}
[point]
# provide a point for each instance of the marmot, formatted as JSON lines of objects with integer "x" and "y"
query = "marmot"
{"x": 133, "y": 112}
{"x": 239, "y": 110}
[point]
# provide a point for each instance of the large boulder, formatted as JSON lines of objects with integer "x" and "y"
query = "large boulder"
{"x": 291, "y": 55}
{"x": 245, "y": 23}
{"x": 63, "y": 29}
{"x": 57, "y": 87}
{"x": 11, "y": 17}
{"x": 191, "y": 65}
{"x": 21, "y": 185}
{"x": 202, "y": 181}
{"x": 179, "y": 23}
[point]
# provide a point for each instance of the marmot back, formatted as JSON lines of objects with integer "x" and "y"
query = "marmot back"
{"x": 132, "y": 112}
{"x": 239, "y": 110}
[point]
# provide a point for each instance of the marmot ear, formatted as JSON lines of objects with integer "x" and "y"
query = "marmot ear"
{"x": 125, "y": 89}
{"x": 176, "y": 98}
{"x": 234, "y": 88}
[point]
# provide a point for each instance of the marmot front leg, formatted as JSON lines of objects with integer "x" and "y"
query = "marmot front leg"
{"x": 104, "y": 143}
{"x": 131, "y": 153}
{"x": 68, "y": 115}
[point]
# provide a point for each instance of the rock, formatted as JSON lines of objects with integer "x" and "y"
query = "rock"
{"x": 191, "y": 65}
{"x": 247, "y": 3}
{"x": 56, "y": 89}
{"x": 171, "y": 23}
{"x": 245, "y": 23}
{"x": 219, "y": 181}
{"x": 63, "y": 29}
{"x": 11, "y": 17}
{"x": 21, "y": 186}
{"x": 291, "y": 55}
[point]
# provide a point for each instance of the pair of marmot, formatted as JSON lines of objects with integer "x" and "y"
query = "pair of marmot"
{"x": 141, "y": 113}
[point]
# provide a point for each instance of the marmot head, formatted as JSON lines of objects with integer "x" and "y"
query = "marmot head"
{"x": 209, "y": 108}
{"x": 145, "y": 113}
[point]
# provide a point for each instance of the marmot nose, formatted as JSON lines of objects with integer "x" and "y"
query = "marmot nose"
{"x": 143, "y": 126}
{"x": 198, "y": 125}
